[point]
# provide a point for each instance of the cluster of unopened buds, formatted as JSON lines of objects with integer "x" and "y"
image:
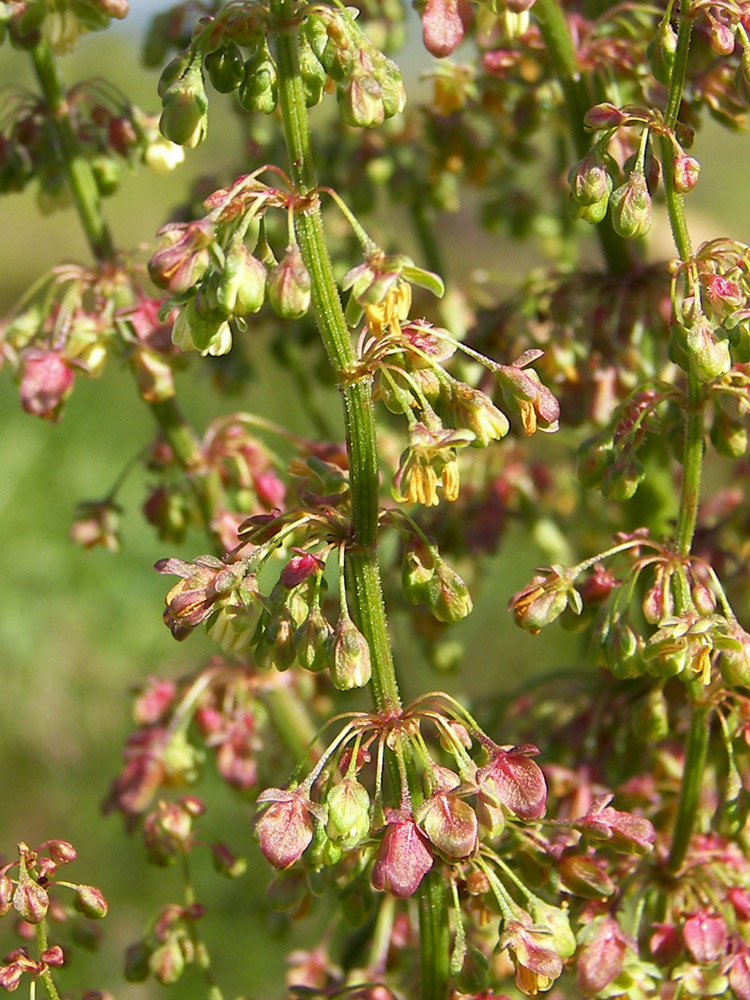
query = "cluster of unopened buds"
{"x": 692, "y": 638}
{"x": 333, "y": 53}
{"x": 29, "y": 887}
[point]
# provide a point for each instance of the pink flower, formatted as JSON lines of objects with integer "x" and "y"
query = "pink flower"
{"x": 46, "y": 382}
{"x": 286, "y": 828}
{"x": 515, "y": 781}
{"x": 403, "y": 859}
{"x": 705, "y": 934}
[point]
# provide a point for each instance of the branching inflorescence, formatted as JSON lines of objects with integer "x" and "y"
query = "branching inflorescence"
{"x": 528, "y": 842}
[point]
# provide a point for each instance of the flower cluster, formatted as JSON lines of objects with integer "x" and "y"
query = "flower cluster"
{"x": 341, "y": 818}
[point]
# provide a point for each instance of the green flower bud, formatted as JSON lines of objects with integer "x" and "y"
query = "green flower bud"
{"x": 630, "y": 205}
{"x": 316, "y": 34}
{"x": 167, "y": 962}
{"x": 622, "y": 651}
{"x": 225, "y": 68}
{"x": 351, "y": 667}
{"x": 339, "y": 51}
{"x": 556, "y": 921}
{"x": 289, "y": 892}
{"x": 594, "y": 458}
{"x": 276, "y": 647}
{"x": 30, "y": 900}
{"x": 312, "y": 72}
{"x": 289, "y": 285}
{"x": 259, "y": 90}
{"x": 90, "y": 902}
{"x": 593, "y": 213}
{"x": 661, "y": 51}
{"x": 242, "y": 286}
{"x": 447, "y": 594}
{"x": 473, "y": 977}
{"x": 728, "y": 435}
{"x": 590, "y": 180}
{"x": 348, "y": 813}
{"x": 392, "y": 91}
{"x": 417, "y": 570}
{"x": 184, "y": 117}
{"x": 622, "y": 478}
{"x": 137, "y": 959}
{"x": 708, "y": 358}
{"x": 312, "y": 641}
{"x": 650, "y": 720}
{"x": 360, "y": 100}
{"x": 208, "y": 333}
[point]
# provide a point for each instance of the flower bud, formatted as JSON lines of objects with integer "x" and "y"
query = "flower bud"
{"x": 312, "y": 72}
{"x": 728, "y": 435}
{"x": 351, "y": 667}
{"x": 403, "y": 859}
{"x": 285, "y": 830}
{"x": 593, "y": 213}
{"x": 348, "y": 813}
{"x": 685, "y": 170}
{"x": 6, "y": 894}
{"x": 447, "y": 594}
{"x": 622, "y": 478}
{"x": 360, "y": 99}
{"x": 660, "y": 52}
{"x": 242, "y": 285}
{"x": 450, "y": 824}
{"x": 589, "y": 179}
{"x": 594, "y": 457}
{"x": 708, "y": 358}
{"x": 90, "y": 902}
{"x": 585, "y": 876}
{"x": 630, "y": 205}
{"x": 312, "y": 641}
{"x": 604, "y": 116}
{"x": 392, "y": 89}
{"x": 167, "y": 962}
{"x": 735, "y": 663}
{"x": 184, "y": 117}
{"x": 417, "y": 570}
{"x": 289, "y": 286}
{"x": 625, "y": 832}
{"x": 46, "y": 382}
{"x": 225, "y": 68}
{"x": 206, "y": 331}
{"x": 473, "y": 410}
{"x": 276, "y": 647}
{"x": 622, "y": 651}
{"x": 30, "y": 900}
{"x": 259, "y": 89}
{"x": 557, "y": 923}
{"x": 473, "y": 977}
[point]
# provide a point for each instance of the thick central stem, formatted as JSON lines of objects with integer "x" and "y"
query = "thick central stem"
{"x": 697, "y": 739}
{"x": 362, "y": 568}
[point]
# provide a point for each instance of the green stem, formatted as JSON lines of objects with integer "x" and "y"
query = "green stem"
{"x": 692, "y": 782}
{"x": 362, "y": 567}
{"x": 697, "y": 738}
{"x": 79, "y": 173}
{"x": 434, "y": 937}
{"x": 202, "y": 958}
{"x": 561, "y": 50}
{"x": 85, "y": 194}
{"x": 46, "y": 977}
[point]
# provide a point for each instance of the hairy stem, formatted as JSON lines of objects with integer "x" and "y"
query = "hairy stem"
{"x": 692, "y": 463}
{"x": 362, "y": 567}
{"x": 692, "y": 780}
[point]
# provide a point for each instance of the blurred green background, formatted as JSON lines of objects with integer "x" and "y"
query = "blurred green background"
{"x": 78, "y": 629}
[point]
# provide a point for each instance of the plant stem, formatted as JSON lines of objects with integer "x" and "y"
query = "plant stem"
{"x": 692, "y": 781}
{"x": 561, "y": 50}
{"x": 700, "y": 721}
{"x": 49, "y": 983}
{"x": 84, "y": 192}
{"x": 434, "y": 937}
{"x": 362, "y": 567}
